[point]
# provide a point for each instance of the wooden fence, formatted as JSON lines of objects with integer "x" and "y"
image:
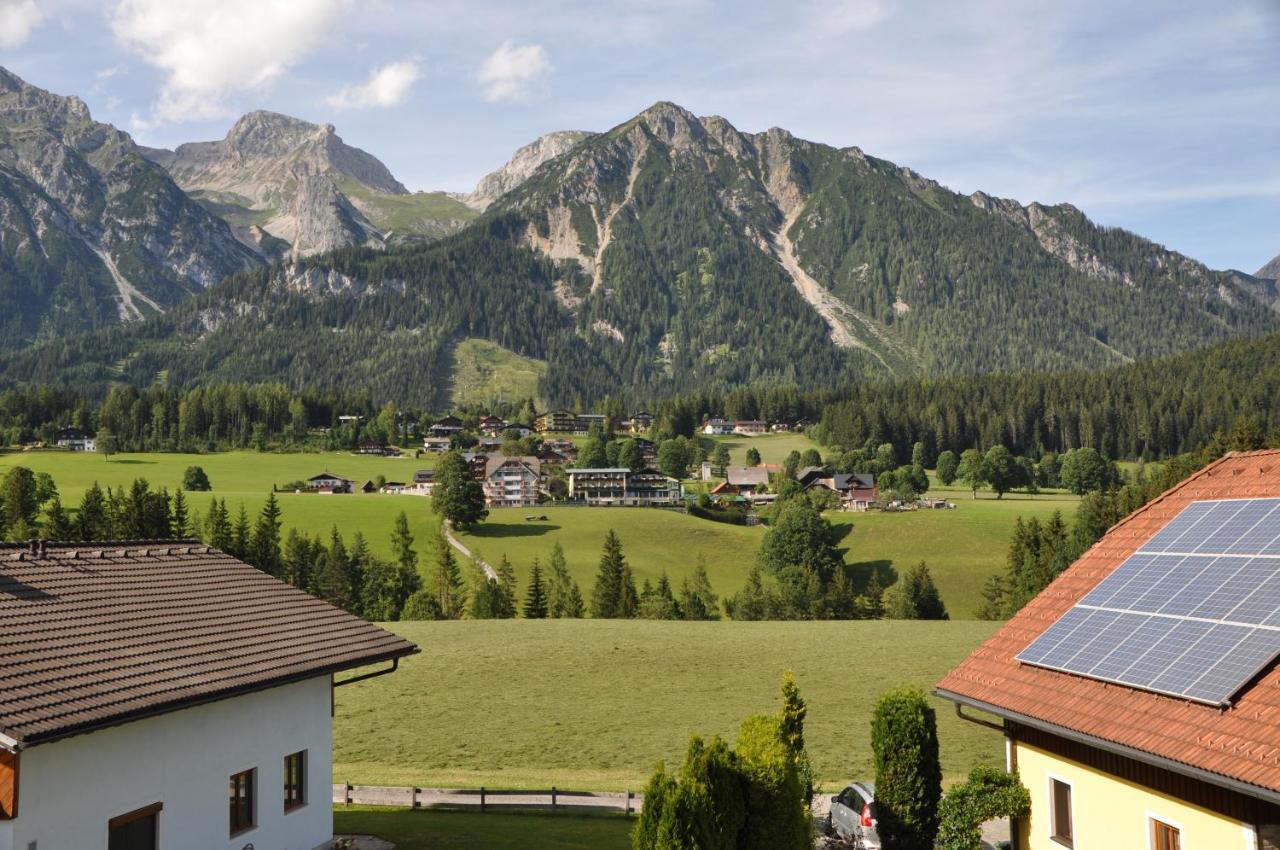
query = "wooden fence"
{"x": 484, "y": 799}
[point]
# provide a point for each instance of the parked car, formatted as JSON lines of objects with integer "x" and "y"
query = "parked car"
{"x": 853, "y": 815}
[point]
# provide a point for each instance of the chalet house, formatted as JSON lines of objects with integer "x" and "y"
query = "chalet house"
{"x": 568, "y": 448}
{"x": 437, "y": 444}
{"x": 368, "y": 487}
{"x": 622, "y": 487}
{"x": 327, "y": 482}
{"x": 373, "y": 447}
{"x": 750, "y": 427}
{"x": 640, "y": 422}
{"x": 446, "y": 427}
{"x": 747, "y": 480}
{"x": 1139, "y": 693}
{"x": 648, "y": 449}
{"x": 77, "y": 441}
{"x": 166, "y": 695}
{"x": 857, "y": 490}
{"x": 492, "y": 425}
{"x": 424, "y": 481}
{"x": 717, "y": 427}
{"x": 556, "y": 422}
{"x": 551, "y": 457}
{"x": 512, "y": 482}
{"x": 780, "y": 427}
{"x": 394, "y": 488}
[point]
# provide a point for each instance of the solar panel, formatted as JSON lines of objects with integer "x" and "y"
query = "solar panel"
{"x": 1194, "y": 613}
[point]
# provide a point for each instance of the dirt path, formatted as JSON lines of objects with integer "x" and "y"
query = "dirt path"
{"x": 457, "y": 544}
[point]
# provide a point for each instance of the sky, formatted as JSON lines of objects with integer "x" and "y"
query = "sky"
{"x": 1159, "y": 116}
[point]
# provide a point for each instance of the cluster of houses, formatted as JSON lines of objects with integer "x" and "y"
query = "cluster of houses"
{"x": 751, "y": 427}
{"x": 752, "y": 484}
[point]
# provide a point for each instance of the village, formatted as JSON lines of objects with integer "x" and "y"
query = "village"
{"x": 515, "y": 480}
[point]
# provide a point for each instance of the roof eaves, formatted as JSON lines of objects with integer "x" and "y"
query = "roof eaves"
{"x": 1221, "y": 780}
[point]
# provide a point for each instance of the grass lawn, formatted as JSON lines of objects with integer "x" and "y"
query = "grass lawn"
{"x": 595, "y": 704}
{"x": 484, "y": 373}
{"x": 432, "y": 829}
{"x": 652, "y": 539}
{"x": 773, "y": 448}
{"x": 246, "y": 477}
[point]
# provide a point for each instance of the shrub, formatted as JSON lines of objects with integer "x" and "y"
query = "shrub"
{"x": 195, "y": 479}
{"x": 989, "y": 793}
{"x": 904, "y": 745}
{"x": 776, "y": 815}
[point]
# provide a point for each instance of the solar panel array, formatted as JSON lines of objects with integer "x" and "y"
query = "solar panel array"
{"x": 1194, "y": 613}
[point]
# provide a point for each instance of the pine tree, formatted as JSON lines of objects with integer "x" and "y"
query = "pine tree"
{"x": 628, "y": 599}
{"x": 505, "y": 607}
{"x": 871, "y": 602}
{"x": 181, "y": 520}
{"x": 535, "y": 600}
{"x": 558, "y": 583}
{"x": 754, "y": 601}
{"x": 91, "y": 519}
{"x": 482, "y": 597}
{"x": 402, "y": 543}
{"x": 606, "y": 596}
{"x": 334, "y": 578}
{"x": 697, "y": 600}
{"x": 298, "y": 561}
{"x": 57, "y": 525}
{"x": 448, "y": 585}
{"x": 264, "y": 548}
{"x": 841, "y": 602}
{"x": 240, "y": 534}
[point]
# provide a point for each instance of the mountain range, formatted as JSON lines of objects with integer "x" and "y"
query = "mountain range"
{"x": 1271, "y": 270}
{"x": 669, "y": 253}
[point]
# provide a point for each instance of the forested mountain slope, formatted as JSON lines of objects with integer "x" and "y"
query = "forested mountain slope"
{"x": 91, "y": 233}
{"x": 905, "y": 276}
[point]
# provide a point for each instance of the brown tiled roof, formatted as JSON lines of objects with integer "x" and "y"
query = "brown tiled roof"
{"x": 1240, "y": 743}
{"x": 95, "y": 634}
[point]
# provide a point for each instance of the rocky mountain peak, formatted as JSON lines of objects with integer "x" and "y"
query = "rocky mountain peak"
{"x": 270, "y": 134}
{"x": 522, "y": 165}
{"x": 1270, "y": 270}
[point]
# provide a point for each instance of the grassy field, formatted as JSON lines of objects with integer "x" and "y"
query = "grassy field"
{"x": 773, "y": 448}
{"x": 484, "y": 373}
{"x": 595, "y": 704}
{"x": 428, "y": 829}
{"x": 247, "y": 477}
{"x": 962, "y": 546}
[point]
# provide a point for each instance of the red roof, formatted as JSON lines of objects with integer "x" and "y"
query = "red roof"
{"x": 1241, "y": 742}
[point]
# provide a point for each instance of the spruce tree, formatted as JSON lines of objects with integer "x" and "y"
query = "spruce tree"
{"x": 535, "y": 600}
{"x": 402, "y": 543}
{"x": 448, "y": 585}
{"x": 264, "y": 549}
{"x": 240, "y": 534}
{"x": 606, "y": 596}
{"x": 505, "y": 598}
{"x": 181, "y": 521}
{"x": 91, "y": 519}
{"x": 57, "y": 525}
{"x": 628, "y": 599}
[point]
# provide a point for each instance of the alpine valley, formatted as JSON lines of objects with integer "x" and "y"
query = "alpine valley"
{"x": 668, "y": 254}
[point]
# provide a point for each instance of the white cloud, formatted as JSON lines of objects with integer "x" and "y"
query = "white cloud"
{"x": 17, "y": 20}
{"x": 841, "y": 17}
{"x": 510, "y": 71}
{"x": 387, "y": 86}
{"x": 209, "y": 50}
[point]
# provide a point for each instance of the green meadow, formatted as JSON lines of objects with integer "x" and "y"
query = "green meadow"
{"x": 594, "y": 704}
{"x": 247, "y": 477}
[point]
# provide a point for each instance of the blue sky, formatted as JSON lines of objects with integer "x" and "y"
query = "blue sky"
{"x": 1159, "y": 116}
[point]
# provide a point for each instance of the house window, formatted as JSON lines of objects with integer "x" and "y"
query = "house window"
{"x": 137, "y": 830}
{"x": 1060, "y": 816}
{"x": 243, "y": 809}
{"x": 1165, "y": 837}
{"x": 295, "y": 781}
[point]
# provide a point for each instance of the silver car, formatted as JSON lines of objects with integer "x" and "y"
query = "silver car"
{"x": 853, "y": 815}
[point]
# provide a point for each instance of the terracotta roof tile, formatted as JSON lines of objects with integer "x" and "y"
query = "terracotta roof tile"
{"x": 1240, "y": 742}
{"x": 93, "y": 634}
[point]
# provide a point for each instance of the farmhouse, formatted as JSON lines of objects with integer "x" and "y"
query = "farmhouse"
{"x": 492, "y": 425}
{"x": 511, "y": 482}
{"x": 717, "y": 427}
{"x": 1139, "y": 693}
{"x": 746, "y": 480}
{"x": 436, "y": 444}
{"x": 446, "y": 427}
{"x": 77, "y": 441}
{"x": 750, "y": 427}
{"x": 424, "y": 481}
{"x": 857, "y": 490}
{"x": 620, "y": 486}
{"x": 394, "y": 487}
{"x": 167, "y": 695}
{"x": 327, "y": 482}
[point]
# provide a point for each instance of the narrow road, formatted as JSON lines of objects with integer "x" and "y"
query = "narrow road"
{"x": 457, "y": 544}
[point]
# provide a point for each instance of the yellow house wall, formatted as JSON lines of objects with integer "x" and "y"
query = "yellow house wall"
{"x": 1112, "y": 814}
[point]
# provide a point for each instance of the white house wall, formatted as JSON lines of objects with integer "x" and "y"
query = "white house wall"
{"x": 71, "y": 788}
